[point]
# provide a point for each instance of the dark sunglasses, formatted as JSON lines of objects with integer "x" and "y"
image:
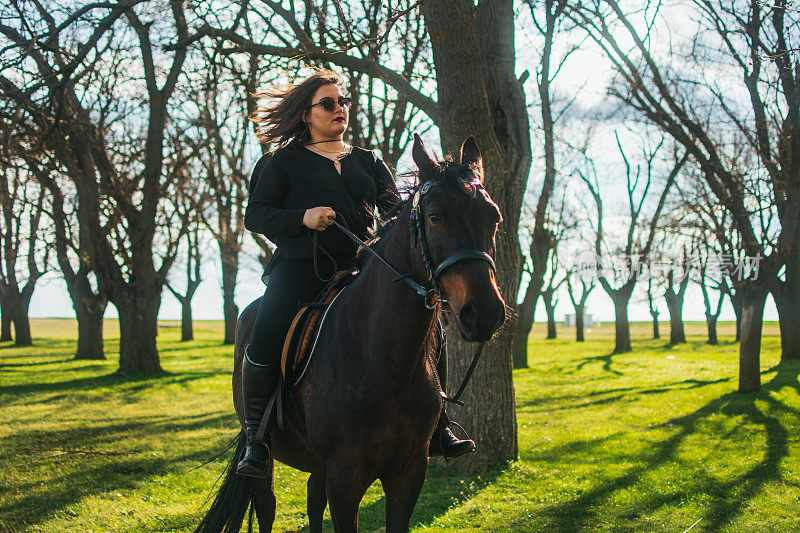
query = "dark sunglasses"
{"x": 329, "y": 104}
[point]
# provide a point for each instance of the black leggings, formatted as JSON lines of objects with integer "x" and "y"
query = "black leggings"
{"x": 291, "y": 284}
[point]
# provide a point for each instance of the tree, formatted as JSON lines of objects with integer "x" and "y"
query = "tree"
{"x": 579, "y": 303}
{"x": 755, "y": 42}
{"x": 21, "y": 249}
{"x": 71, "y": 246}
{"x": 705, "y": 278}
{"x": 541, "y": 237}
{"x": 81, "y": 107}
{"x": 636, "y": 248}
{"x": 652, "y": 306}
{"x": 675, "y": 299}
{"x": 193, "y": 280}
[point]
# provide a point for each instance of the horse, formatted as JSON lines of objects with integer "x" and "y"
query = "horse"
{"x": 370, "y": 396}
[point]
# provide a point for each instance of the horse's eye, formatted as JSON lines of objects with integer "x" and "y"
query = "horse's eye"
{"x": 434, "y": 218}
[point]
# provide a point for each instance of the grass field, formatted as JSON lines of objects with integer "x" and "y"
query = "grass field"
{"x": 653, "y": 440}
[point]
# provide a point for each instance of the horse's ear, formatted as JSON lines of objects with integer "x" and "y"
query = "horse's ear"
{"x": 471, "y": 155}
{"x": 427, "y": 166}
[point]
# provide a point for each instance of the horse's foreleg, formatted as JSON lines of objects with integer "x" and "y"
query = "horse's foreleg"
{"x": 316, "y": 502}
{"x": 344, "y": 490}
{"x": 264, "y": 500}
{"x": 402, "y": 492}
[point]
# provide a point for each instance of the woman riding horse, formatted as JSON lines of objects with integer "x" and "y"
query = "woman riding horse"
{"x": 295, "y": 194}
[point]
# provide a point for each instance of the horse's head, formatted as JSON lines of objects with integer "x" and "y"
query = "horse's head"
{"x": 453, "y": 223}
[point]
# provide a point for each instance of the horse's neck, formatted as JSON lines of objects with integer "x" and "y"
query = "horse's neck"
{"x": 395, "y": 316}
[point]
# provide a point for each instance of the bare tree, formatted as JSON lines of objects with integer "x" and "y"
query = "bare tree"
{"x": 675, "y": 299}
{"x": 77, "y": 94}
{"x": 712, "y": 280}
{"x": 21, "y": 248}
{"x": 638, "y": 241}
{"x": 579, "y": 303}
{"x": 713, "y": 119}
{"x": 542, "y": 241}
{"x": 193, "y": 280}
{"x": 652, "y": 307}
{"x": 549, "y": 292}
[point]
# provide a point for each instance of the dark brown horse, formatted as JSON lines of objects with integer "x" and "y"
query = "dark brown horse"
{"x": 370, "y": 396}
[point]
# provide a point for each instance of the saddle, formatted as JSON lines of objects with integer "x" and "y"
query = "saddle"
{"x": 302, "y": 332}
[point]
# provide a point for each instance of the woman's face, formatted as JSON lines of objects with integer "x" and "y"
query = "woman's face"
{"x": 327, "y": 124}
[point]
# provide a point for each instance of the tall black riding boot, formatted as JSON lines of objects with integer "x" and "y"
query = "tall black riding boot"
{"x": 258, "y": 384}
{"x": 443, "y": 442}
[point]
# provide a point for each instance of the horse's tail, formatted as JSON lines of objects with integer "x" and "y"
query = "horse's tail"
{"x": 233, "y": 497}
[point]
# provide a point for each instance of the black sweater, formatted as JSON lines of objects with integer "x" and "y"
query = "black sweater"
{"x": 292, "y": 180}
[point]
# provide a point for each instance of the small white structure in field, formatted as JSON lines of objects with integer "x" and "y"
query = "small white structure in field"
{"x": 569, "y": 320}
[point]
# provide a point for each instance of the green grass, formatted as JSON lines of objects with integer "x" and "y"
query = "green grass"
{"x": 653, "y": 440}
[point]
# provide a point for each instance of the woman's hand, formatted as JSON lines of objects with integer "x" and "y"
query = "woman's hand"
{"x": 319, "y": 218}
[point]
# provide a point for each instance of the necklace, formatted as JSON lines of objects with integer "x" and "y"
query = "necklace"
{"x": 329, "y": 151}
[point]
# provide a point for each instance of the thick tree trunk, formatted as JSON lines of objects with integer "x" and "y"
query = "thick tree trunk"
{"x": 551, "y": 318}
{"x": 579, "y": 322}
{"x": 89, "y": 310}
{"x": 711, "y": 322}
{"x": 230, "y": 311}
{"x": 138, "y": 328}
{"x": 622, "y": 327}
{"x": 22, "y": 328}
{"x": 656, "y": 333}
{"x": 479, "y": 94}
{"x": 90, "y": 330}
{"x": 788, "y": 320}
{"x": 753, "y": 298}
{"x": 187, "y": 329}
{"x": 5, "y": 323}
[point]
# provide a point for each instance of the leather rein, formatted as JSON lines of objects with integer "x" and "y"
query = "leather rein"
{"x": 432, "y": 296}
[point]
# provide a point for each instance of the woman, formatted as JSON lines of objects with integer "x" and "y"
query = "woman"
{"x": 295, "y": 194}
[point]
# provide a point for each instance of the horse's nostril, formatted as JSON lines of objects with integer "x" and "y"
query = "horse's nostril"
{"x": 469, "y": 315}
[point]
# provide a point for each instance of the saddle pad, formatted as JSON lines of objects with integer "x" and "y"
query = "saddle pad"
{"x": 301, "y": 332}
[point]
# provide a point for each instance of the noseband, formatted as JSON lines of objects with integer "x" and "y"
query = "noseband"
{"x": 416, "y": 227}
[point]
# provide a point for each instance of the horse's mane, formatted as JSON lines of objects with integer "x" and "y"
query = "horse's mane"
{"x": 449, "y": 171}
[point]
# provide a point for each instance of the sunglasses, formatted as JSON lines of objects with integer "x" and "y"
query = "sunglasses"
{"x": 329, "y": 104}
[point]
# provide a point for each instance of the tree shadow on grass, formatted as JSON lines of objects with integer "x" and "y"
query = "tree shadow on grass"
{"x": 729, "y": 497}
{"x": 126, "y": 384}
{"x": 607, "y": 361}
{"x": 62, "y": 478}
{"x": 621, "y": 394}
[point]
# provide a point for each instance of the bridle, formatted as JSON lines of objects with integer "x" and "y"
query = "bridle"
{"x": 433, "y": 296}
{"x": 416, "y": 228}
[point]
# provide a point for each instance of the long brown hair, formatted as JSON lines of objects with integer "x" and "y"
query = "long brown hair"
{"x": 282, "y": 122}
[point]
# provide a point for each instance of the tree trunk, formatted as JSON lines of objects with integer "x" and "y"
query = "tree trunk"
{"x": 579, "y": 312}
{"x": 230, "y": 311}
{"x": 22, "y": 328}
{"x": 89, "y": 310}
{"x": 5, "y": 323}
{"x": 90, "y": 330}
{"x": 138, "y": 328}
{"x": 479, "y": 94}
{"x": 736, "y": 302}
{"x": 711, "y": 322}
{"x": 753, "y": 298}
{"x": 677, "y": 334}
{"x": 656, "y": 334}
{"x": 187, "y": 330}
{"x": 551, "y": 318}
{"x": 525, "y": 311}
{"x": 788, "y": 320}
{"x": 622, "y": 327}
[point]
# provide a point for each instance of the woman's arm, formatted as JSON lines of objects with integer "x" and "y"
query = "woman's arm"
{"x": 264, "y": 213}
